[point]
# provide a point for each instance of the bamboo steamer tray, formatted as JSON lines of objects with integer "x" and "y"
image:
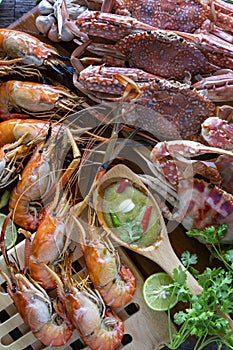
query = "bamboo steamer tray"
{"x": 144, "y": 329}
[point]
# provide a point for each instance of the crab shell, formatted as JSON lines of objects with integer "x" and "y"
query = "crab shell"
{"x": 170, "y": 54}
{"x": 172, "y": 15}
{"x": 179, "y": 108}
{"x": 165, "y": 54}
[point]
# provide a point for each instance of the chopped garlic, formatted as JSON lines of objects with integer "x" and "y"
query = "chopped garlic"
{"x": 126, "y": 206}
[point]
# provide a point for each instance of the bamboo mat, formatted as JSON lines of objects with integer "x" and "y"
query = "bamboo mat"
{"x": 11, "y": 10}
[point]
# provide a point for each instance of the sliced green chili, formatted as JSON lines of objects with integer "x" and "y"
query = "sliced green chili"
{"x": 115, "y": 220}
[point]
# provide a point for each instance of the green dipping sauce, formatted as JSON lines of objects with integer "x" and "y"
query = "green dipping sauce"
{"x": 124, "y": 213}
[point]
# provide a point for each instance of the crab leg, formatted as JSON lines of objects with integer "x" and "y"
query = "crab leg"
{"x": 209, "y": 42}
{"x": 219, "y": 86}
{"x": 107, "y": 25}
{"x": 185, "y": 149}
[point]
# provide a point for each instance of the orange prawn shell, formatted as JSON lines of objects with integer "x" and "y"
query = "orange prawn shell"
{"x": 85, "y": 317}
{"x": 30, "y": 96}
{"x": 18, "y": 203}
{"x": 19, "y": 44}
{"x": 95, "y": 341}
{"x": 36, "y": 314}
{"x": 47, "y": 241}
{"x": 100, "y": 273}
{"x": 104, "y": 274}
{"x": 12, "y": 129}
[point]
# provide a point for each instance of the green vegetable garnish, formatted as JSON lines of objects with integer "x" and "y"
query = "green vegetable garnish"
{"x": 115, "y": 220}
{"x": 212, "y": 236}
{"x": 207, "y": 313}
{"x": 4, "y": 199}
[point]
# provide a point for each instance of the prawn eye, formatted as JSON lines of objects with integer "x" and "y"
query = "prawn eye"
{"x": 13, "y": 289}
{"x": 67, "y": 292}
{"x": 211, "y": 186}
{"x": 5, "y": 150}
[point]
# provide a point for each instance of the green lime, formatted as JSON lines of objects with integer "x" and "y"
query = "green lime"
{"x": 156, "y": 294}
{"x": 11, "y": 232}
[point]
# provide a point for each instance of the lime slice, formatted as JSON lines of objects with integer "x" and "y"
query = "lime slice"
{"x": 11, "y": 232}
{"x": 155, "y": 293}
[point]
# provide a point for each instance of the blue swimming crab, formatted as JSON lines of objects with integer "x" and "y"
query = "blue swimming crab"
{"x": 167, "y": 109}
{"x": 186, "y": 16}
{"x": 171, "y": 54}
{"x": 198, "y": 202}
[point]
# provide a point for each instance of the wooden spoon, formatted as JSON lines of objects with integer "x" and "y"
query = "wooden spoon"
{"x": 161, "y": 251}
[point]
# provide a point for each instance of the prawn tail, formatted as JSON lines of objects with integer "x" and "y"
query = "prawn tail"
{"x": 109, "y": 335}
{"x": 55, "y": 334}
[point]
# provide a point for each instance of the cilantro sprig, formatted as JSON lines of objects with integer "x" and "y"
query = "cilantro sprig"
{"x": 212, "y": 237}
{"x": 206, "y": 316}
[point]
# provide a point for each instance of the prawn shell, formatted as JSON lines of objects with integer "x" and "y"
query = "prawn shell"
{"x": 17, "y": 44}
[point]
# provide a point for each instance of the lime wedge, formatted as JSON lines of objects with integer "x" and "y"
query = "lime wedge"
{"x": 11, "y": 232}
{"x": 155, "y": 293}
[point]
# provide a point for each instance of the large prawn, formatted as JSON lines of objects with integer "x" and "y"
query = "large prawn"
{"x": 99, "y": 327}
{"x": 17, "y": 139}
{"x": 115, "y": 282}
{"x": 32, "y": 130}
{"x": 23, "y": 49}
{"x": 48, "y": 322}
{"x": 35, "y": 99}
{"x": 39, "y": 176}
{"x": 51, "y": 240}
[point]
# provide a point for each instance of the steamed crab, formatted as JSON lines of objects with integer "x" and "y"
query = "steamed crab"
{"x": 177, "y": 14}
{"x": 167, "y": 109}
{"x": 180, "y": 15}
{"x": 198, "y": 202}
{"x": 165, "y": 53}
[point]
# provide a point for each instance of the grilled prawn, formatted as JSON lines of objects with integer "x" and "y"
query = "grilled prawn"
{"x": 35, "y": 99}
{"x": 99, "y": 328}
{"x": 48, "y": 322}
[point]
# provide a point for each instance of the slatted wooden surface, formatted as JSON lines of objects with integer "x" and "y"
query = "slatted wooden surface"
{"x": 11, "y": 10}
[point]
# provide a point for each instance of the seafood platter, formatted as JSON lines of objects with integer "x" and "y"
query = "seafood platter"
{"x": 116, "y": 153}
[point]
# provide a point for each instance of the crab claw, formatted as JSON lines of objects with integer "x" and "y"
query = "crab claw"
{"x": 218, "y": 133}
{"x": 183, "y": 148}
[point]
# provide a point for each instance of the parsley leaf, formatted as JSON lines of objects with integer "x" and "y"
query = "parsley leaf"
{"x": 206, "y": 316}
{"x": 188, "y": 259}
